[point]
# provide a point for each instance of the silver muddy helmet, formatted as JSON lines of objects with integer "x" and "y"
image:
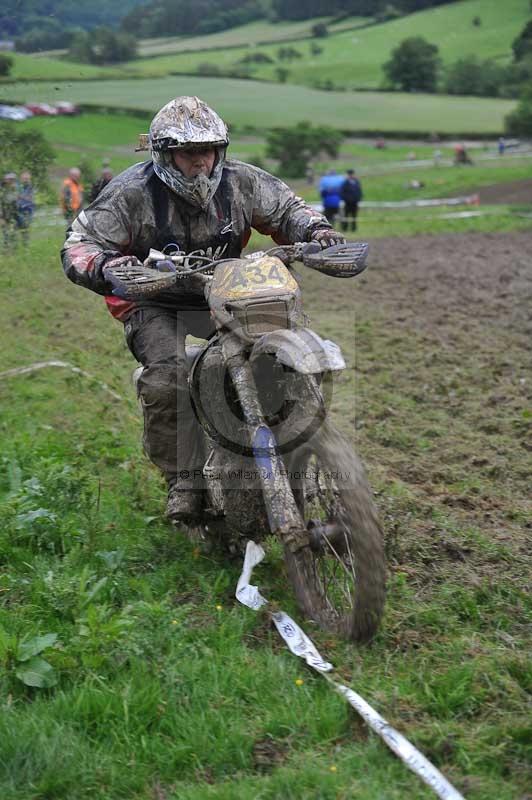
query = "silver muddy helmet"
{"x": 181, "y": 124}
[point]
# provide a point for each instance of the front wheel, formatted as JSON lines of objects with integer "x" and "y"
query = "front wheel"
{"x": 339, "y": 578}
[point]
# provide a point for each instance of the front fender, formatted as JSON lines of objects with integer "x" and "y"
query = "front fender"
{"x": 301, "y": 349}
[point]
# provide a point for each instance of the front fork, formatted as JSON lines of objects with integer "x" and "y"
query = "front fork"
{"x": 283, "y": 514}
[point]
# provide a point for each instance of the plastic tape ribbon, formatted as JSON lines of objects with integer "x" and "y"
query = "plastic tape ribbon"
{"x": 300, "y": 645}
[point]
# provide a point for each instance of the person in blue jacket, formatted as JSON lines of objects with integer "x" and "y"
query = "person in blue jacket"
{"x": 330, "y": 186}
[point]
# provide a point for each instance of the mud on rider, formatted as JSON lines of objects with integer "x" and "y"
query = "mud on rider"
{"x": 188, "y": 196}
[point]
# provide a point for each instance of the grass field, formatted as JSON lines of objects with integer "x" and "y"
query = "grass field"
{"x": 252, "y": 34}
{"x": 385, "y": 173}
{"x": 350, "y": 59}
{"x": 165, "y": 687}
{"x": 259, "y": 105}
{"x": 353, "y": 59}
{"x": 27, "y": 67}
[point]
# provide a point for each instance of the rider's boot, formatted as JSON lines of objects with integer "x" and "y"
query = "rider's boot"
{"x": 185, "y": 502}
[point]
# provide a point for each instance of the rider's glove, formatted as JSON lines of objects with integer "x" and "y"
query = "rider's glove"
{"x": 120, "y": 261}
{"x": 166, "y": 265}
{"x": 326, "y": 237}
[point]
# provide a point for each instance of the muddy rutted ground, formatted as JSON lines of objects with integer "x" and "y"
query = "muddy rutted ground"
{"x": 519, "y": 192}
{"x": 441, "y": 383}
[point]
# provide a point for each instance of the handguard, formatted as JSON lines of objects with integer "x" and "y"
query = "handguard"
{"x": 135, "y": 281}
{"x": 340, "y": 261}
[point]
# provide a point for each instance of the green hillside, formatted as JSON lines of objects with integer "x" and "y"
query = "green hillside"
{"x": 350, "y": 58}
{"x": 251, "y": 34}
{"x": 265, "y": 105}
{"x": 30, "y": 68}
{"x": 354, "y": 59}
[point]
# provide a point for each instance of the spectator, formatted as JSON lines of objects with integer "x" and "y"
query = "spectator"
{"x": 8, "y": 208}
{"x": 330, "y": 186}
{"x": 380, "y": 144}
{"x": 460, "y": 155}
{"x": 99, "y": 184}
{"x": 25, "y": 206}
{"x": 72, "y": 195}
{"x": 309, "y": 175}
{"x": 437, "y": 155}
{"x": 351, "y": 194}
{"x": 501, "y": 145}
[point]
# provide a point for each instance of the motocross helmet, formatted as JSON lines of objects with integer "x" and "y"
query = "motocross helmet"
{"x": 184, "y": 123}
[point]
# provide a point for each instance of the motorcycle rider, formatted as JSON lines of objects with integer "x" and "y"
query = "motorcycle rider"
{"x": 187, "y": 197}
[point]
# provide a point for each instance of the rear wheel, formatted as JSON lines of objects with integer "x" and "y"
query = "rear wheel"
{"x": 339, "y": 578}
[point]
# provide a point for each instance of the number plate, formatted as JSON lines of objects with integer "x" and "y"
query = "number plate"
{"x": 239, "y": 279}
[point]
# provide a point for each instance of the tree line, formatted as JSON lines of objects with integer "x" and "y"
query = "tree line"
{"x": 415, "y": 66}
{"x": 19, "y": 17}
{"x": 50, "y": 24}
{"x": 185, "y": 17}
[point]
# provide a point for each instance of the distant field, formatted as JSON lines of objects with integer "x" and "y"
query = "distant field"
{"x": 349, "y": 59}
{"x": 250, "y": 34}
{"x": 247, "y": 103}
{"x": 253, "y": 33}
{"x": 354, "y": 59}
{"x": 29, "y": 67}
{"x": 90, "y": 130}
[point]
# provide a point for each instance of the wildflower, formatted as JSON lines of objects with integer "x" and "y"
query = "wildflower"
{"x": 219, "y": 608}
{"x": 299, "y": 681}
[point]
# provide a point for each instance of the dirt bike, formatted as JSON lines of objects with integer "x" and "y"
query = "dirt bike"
{"x": 275, "y": 464}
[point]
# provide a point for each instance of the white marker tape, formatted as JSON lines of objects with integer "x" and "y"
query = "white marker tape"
{"x": 249, "y": 595}
{"x": 415, "y": 760}
{"x": 12, "y": 373}
{"x": 300, "y": 644}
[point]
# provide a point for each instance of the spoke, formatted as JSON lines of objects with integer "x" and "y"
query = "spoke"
{"x": 350, "y": 556}
{"x": 338, "y": 558}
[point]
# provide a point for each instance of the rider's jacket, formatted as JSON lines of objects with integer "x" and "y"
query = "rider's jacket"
{"x": 136, "y": 211}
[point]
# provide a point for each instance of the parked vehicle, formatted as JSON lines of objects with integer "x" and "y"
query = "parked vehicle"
{"x": 15, "y": 113}
{"x": 276, "y": 465}
{"x": 65, "y": 108}
{"x": 41, "y": 109}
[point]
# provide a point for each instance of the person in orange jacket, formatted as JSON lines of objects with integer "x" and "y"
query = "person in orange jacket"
{"x": 72, "y": 195}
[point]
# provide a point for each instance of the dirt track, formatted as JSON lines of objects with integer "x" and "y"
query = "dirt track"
{"x": 518, "y": 192}
{"x": 438, "y": 396}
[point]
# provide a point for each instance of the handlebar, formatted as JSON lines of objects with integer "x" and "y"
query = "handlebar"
{"x": 137, "y": 281}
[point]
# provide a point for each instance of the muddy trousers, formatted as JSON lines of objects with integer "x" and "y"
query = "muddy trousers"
{"x": 172, "y": 435}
